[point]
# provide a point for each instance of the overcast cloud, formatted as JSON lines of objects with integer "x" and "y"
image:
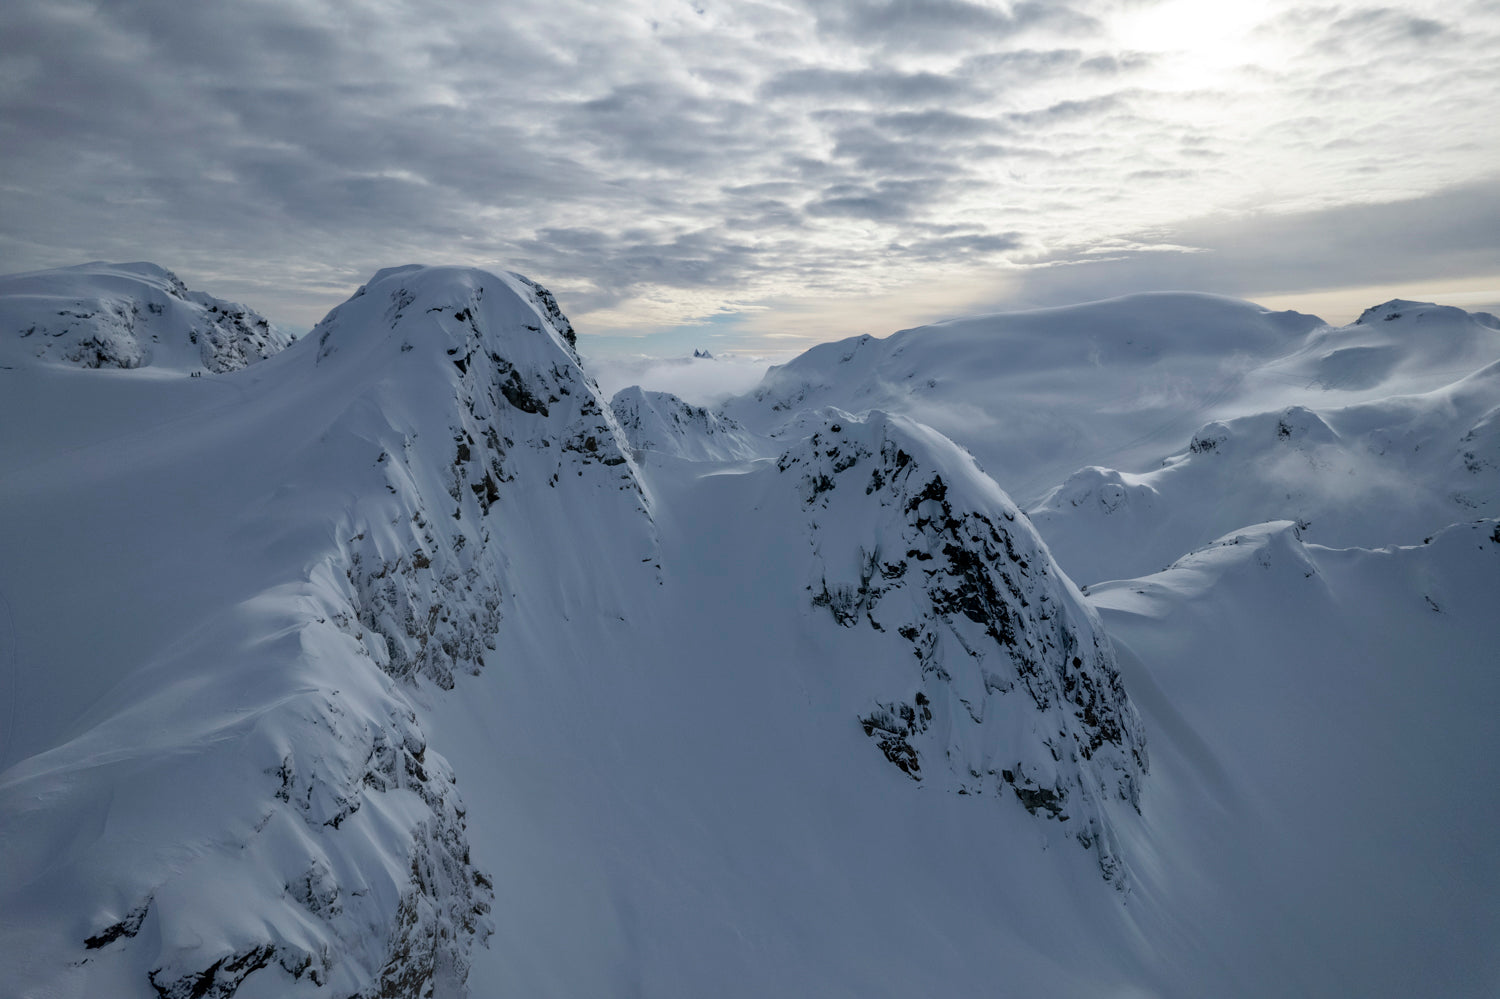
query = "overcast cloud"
{"x": 808, "y": 168}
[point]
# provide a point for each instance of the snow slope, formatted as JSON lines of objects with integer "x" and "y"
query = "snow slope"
{"x": 1418, "y": 345}
{"x": 1323, "y": 745}
{"x": 659, "y": 421}
{"x": 1019, "y": 690}
{"x": 251, "y": 613}
{"x": 689, "y": 801}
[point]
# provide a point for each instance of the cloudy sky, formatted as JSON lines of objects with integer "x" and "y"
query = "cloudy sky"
{"x": 758, "y": 174}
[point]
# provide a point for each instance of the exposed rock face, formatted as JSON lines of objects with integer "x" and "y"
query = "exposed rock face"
{"x": 1014, "y": 687}
{"x": 130, "y": 316}
{"x": 547, "y": 305}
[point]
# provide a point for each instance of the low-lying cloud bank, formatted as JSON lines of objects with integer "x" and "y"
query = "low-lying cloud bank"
{"x": 700, "y": 381}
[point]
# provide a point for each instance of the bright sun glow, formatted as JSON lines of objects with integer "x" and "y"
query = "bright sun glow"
{"x": 1198, "y": 45}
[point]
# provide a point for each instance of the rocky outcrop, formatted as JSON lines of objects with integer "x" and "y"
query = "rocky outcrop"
{"x": 1014, "y": 687}
{"x": 347, "y": 852}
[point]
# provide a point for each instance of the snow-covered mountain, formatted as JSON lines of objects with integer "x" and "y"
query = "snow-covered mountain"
{"x": 402, "y": 662}
{"x": 1019, "y": 690}
{"x": 1037, "y": 394}
{"x": 266, "y": 564}
{"x": 661, "y": 422}
{"x": 128, "y": 316}
{"x": 1387, "y": 471}
{"x": 1137, "y": 429}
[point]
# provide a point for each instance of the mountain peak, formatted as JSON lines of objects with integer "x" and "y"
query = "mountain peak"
{"x": 135, "y": 315}
{"x": 1404, "y": 308}
{"x": 661, "y": 422}
{"x": 415, "y": 303}
{"x": 1013, "y": 689}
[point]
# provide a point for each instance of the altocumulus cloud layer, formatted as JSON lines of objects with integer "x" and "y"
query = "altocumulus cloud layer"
{"x": 814, "y": 167}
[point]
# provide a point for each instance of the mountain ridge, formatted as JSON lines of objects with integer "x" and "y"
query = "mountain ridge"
{"x": 462, "y": 679}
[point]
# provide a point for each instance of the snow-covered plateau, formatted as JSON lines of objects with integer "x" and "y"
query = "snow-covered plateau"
{"x": 396, "y": 660}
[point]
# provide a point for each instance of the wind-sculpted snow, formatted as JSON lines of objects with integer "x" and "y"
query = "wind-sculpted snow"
{"x": 127, "y": 316}
{"x": 1413, "y": 335}
{"x": 1037, "y": 395}
{"x": 662, "y": 423}
{"x": 1014, "y": 688}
